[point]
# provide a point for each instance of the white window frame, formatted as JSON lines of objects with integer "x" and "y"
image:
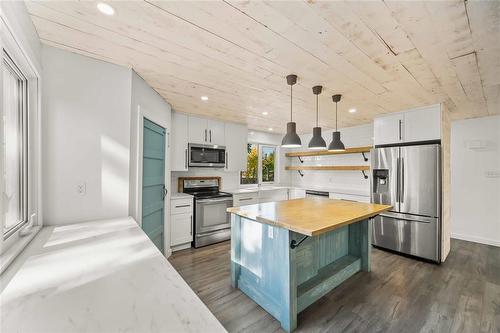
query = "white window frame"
{"x": 23, "y": 134}
{"x": 17, "y": 240}
{"x": 259, "y": 165}
{"x": 260, "y": 169}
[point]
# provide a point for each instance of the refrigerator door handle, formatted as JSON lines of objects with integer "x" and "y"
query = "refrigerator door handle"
{"x": 397, "y": 181}
{"x": 402, "y": 180}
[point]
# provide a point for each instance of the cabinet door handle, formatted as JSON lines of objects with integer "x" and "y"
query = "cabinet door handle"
{"x": 205, "y": 135}
{"x": 227, "y": 159}
{"x": 245, "y": 199}
{"x": 180, "y": 206}
{"x": 400, "y": 134}
{"x": 210, "y": 132}
{"x": 186, "y": 159}
{"x": 191, "y": 230}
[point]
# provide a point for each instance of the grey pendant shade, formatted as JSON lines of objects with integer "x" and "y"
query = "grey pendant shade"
{"x": 336, "y": 144}
{"x": 317, "y": 141}
{"x": 291, "y": 139}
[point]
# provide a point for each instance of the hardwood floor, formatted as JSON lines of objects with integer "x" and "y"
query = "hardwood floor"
{"x": 399, "y": 295}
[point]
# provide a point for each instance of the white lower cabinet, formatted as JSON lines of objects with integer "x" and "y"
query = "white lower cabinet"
{"x": 250, "y": 198}
{"x": 349, "y": 197}
{"x": 296, "y": 193}
{"x": 273, "y": 195}
{"x": 181, "y": 217}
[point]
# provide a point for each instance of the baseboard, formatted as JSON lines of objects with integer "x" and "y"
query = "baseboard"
{"x": 475, "y": 239}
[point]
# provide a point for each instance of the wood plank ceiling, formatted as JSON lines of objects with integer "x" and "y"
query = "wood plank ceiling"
{"x": 382, "y": 56}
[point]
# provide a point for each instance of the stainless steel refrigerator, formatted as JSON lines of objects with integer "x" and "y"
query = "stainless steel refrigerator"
{"x": 409, "y": 179}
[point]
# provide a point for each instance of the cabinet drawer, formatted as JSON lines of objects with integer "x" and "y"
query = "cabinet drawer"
{"x": 181, "y": 206}
{"x": 245, "y": 199}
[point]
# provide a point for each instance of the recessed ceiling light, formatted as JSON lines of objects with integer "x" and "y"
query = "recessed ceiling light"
{"x": 353, "y": 110}
{"x": 105, "y": 8}
{"x": 270, "y": 128}
{"x": 265, "y": 113}
{"x": 204, "y": 98}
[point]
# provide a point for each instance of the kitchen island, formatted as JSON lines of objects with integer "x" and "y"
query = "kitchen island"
{"x": 286, "y": 255}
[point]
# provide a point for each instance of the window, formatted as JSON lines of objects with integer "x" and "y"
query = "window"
{"x": 15, "y": 146}
{"x": 261, "y": 164}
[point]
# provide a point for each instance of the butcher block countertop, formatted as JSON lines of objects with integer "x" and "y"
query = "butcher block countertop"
{"x": 310, "y": 216}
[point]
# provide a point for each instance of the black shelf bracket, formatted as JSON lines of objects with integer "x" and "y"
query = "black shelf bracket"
{"x": 300, "y": 173}
{"x": 300, "y": 159}
{"x": 364, "y": 157}
{"x": 294, "y": 243}
{"x": 365, "y": 176}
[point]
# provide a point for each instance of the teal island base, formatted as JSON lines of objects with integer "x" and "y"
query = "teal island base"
{"x": 285, "y": 272}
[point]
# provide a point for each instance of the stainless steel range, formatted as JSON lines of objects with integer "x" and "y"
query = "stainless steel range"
{"x": 212, "y": 223}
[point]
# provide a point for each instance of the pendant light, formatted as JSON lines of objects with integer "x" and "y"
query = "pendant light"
{"x": 317, "y": 141}
{"x": 291, "y": 139}
{"x": 336, "y": 144}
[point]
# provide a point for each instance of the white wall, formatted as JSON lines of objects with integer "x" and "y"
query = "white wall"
{"x": 475, "y": 182}
{"x": 86, "y": 137}
{"x": 335, "y": 180}
{"x": 151, "y": 105}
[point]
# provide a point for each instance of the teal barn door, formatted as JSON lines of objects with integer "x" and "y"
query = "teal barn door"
{"x": 153, "y": 182}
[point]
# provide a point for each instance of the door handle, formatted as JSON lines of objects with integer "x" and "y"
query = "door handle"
{"x": 402, "y": 179}
{"x": 191, "y": 230}
{"x": 227, "y": 159}
{"x": 400, "y": 135}
{"x": 397, "y": 179}
{"x": 210, "y": 132}
{"x": 165, "y": 191}
{"x": 205, "y": 135}
{"x": 186, "y": 159}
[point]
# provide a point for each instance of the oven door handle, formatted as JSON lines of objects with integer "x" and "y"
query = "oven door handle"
{"x": 209, "y": 201}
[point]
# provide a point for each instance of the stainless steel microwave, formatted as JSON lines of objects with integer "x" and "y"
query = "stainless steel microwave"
{"x": 212, "y": 156}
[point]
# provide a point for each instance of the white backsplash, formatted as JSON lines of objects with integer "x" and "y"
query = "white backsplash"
{"x": 230, "y": 180}
{"x": 351, "y": 137}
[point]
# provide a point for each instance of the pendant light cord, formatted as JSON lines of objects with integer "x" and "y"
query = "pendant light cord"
{"x": 291, "y": 100}
{"x": 317, "y": 110}
{"x": 336, "y": 116}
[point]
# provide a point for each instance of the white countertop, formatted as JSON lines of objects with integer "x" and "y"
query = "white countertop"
{"x": 254, "y": 189}
{"x": 180, "y": 195}
{"x": 101, "y": 276}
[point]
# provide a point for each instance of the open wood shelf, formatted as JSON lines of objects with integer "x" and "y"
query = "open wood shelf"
{"x": 329, "y": 167}
{"x": 353, "y": 150}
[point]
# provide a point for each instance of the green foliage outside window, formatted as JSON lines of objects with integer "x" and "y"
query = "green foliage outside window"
{"x": 250, "y": 176}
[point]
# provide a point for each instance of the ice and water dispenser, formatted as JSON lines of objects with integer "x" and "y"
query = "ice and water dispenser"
{"x": 380, "y": 181}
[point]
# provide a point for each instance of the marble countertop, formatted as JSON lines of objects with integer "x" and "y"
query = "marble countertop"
{"x": 254, "y": 189}
{"x": 180, "y": 195}
{"x": 309, "y": 216}
{"x": 100, "y": 276}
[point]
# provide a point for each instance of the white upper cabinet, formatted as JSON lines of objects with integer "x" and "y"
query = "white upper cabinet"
{"x": 422, "y": 124}
{"x": 236, "y": 147}
{"x": 388, "y": 129}
{"x": 216, "y": 135}
{"x": 179, "y": 147}
{"x": 198, "y": 131}
{"x": 205, "y": 131}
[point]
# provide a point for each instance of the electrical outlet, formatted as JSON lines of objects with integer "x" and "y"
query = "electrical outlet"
{"x": 81, "y": 188}
{"x": 492, "y": 174}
